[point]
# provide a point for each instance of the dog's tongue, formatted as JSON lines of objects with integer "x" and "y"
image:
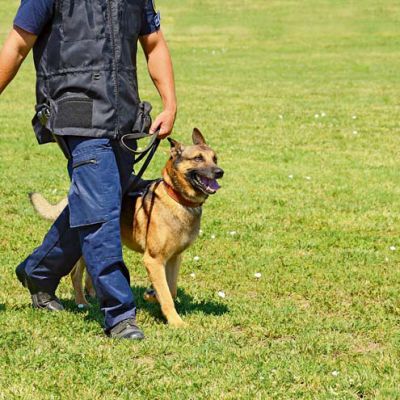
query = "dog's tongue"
{"x": 211, "y": 183}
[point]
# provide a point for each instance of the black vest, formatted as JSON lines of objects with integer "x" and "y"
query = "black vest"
{"x": 86, "y": 69}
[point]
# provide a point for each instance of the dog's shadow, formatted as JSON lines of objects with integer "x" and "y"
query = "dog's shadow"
{"x": 185, "y": 304}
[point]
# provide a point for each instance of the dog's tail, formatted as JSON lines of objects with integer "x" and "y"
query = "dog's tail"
{"x": 44, "y": 208}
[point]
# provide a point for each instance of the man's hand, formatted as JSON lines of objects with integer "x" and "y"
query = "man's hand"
{"x": 160, "y": 69}
{"x": 15, "y": 49}
{"x": 164, "y": 122}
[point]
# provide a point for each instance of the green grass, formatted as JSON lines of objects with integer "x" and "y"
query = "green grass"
{"x": 323, "y": 320}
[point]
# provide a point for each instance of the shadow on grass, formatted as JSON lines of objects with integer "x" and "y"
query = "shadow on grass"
{"x": 2, "y": 307}
{"x": 185, "y": 304}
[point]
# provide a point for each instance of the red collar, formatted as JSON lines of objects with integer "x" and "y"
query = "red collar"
{"x": 179, "y": 198}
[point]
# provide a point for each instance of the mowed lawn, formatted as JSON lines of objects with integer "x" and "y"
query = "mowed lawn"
{"x": 301, "y": 101}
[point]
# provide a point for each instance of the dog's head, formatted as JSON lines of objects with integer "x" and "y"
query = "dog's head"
{"x": 192, "y": 170}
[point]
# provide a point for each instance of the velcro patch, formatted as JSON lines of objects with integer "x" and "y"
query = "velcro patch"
{"x": 74, "y": 113}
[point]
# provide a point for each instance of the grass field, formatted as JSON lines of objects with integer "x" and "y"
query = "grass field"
{"x": 301, "y": 101}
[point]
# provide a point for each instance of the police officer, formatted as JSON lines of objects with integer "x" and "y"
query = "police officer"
{"x": 87, "y": 98}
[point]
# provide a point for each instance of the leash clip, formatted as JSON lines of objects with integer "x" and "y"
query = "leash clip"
{"x": 43, "y": 114}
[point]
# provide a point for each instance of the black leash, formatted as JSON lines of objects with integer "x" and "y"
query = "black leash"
{"x": 150, "y": 150}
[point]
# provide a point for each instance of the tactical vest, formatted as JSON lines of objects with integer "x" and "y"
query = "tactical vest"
{"x": 85, "y": 61}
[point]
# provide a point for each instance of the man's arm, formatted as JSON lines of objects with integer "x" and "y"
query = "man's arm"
{"x": 160, "y": 69}
{"x": 15, "y": 49}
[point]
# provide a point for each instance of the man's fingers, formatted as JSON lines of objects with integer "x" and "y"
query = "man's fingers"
{"x": 155, "y": 125}
{"x": 164, "y": 123}
{"x": 153, "y": 128}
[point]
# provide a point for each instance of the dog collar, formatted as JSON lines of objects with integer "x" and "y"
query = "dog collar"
{"x": 179, "y": 198}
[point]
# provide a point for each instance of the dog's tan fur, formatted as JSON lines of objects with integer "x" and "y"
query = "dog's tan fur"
{"x": 156, "y": 225}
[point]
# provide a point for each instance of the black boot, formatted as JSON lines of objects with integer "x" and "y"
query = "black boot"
{"x": 40, "y": 299}
{"x": 126, "y": 329}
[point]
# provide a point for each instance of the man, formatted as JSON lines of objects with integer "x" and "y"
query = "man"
{"x": 87, "y": 98}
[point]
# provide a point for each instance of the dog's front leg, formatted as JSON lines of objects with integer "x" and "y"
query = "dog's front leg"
{"x": 156, "y": 271}
{"x": 172, "y": 270}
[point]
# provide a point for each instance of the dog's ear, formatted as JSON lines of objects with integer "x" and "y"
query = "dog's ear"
{"x": 176, "y": 147}
{"x": 198, "y": 137}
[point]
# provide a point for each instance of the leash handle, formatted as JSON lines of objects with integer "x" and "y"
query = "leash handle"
{"x": 138, "y": 136}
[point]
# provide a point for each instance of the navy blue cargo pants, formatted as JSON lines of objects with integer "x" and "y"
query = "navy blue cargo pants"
{"x": 99, "y": 170}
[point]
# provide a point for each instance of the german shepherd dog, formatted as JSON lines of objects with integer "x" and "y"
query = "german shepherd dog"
{"x": 162, "y": 223}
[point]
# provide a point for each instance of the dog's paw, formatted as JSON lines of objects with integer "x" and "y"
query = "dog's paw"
{"x": 150, "y": 296}
{"x": 177, "y": 323}
{"x": 83, "y": 306}
{"x": 81, "y": 302}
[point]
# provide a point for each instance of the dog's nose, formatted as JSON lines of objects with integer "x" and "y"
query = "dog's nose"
{"x": 218, "y": 173}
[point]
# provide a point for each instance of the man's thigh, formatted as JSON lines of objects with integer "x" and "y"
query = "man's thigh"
{"x": 95, "y": 193}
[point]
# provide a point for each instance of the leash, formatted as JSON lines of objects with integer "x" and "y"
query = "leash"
{"x": 150, "y": 150}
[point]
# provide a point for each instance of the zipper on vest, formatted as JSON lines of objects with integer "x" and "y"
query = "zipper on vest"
{"x": 115, "y": 64}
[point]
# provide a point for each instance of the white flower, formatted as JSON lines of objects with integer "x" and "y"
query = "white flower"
{"x": 316, "y": 116}
{"x": 355, "y": 132}
{"x": 196, "y": 258}
{"x": 213, "y": 236}
{"x": 54, "y": 191}
{"x": 232, "y": 233}
{"x": 221, "y": 294}
{"x": 193, "y": 275}
{"x": 335, "y": 373}
{"x": 290, "y": 176}
{"x": 257, "y": 275}
{"x": 81, "y": 306}
{"x": 201, "y": 232}
{"x": 308, "y": 178}
{"x": 323, "y": 114}
{"x": 354, "y": 117}
{"x": 392, "y": 248}
{"x": 280, "y": 116}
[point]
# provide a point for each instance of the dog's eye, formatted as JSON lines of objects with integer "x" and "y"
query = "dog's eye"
{"x": 199, "y": 158}
{"x": 215, "y": 160}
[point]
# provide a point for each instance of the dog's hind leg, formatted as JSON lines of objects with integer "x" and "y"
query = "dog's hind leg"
{"x": 157, "y": 274}
{"x": 77, "y": 278}
{"x": 89, "y": 288}
{"x": 172, "y": 271}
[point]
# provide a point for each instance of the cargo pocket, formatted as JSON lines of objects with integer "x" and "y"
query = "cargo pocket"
{"x": 95, "y": 193}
